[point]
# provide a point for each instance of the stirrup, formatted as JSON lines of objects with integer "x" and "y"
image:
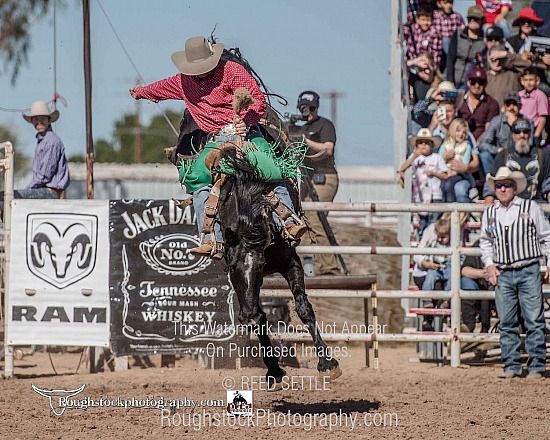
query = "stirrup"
{"x": 295, "y": 231}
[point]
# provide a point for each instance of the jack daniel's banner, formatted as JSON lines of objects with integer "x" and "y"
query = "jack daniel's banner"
{"x": 163, "y": 299}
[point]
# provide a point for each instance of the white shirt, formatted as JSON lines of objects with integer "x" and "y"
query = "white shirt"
{"x": 506, "y": 216}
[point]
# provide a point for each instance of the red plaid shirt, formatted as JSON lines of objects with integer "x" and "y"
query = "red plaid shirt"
{"x": 446, "y": 25}
{"x": 209, "y": 99}
{"x": 419, "y": 42}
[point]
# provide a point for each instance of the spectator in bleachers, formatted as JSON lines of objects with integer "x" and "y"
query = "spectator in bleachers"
{"x": 421, "y": 37}
{"x": 424, "y": 77}
{"x": 428, "y": 170}
{"x": 441, "y": 124}
{"x": 423, "y": 111}
{"x": 478, "y": 107}
{"x": 446, "y": 22}
{"x": 503, "y": 72}
{"x": 474, "y": 277}
{"x": 413, "y": 5}
{"x": 527, "y": 21}
{"x": 457, "y": 149}
{"x": 532, "y": 162}
{"x": 498, "y": 136}
{"x": 464, "y": 46}
{"x": 496, "y": 12}
{"x": 515, "y": 239}
{"x": 534, "y": 102}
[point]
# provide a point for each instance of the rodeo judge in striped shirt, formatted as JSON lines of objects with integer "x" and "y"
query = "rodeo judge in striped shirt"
{"x": 50, "y": 171}
{"x": 515, "y": 238}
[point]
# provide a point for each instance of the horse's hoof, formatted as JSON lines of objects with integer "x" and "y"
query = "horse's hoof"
{"x": 277, "y": 386}
{"x": 275, "y": 383}
{"x": 332, "y": 374}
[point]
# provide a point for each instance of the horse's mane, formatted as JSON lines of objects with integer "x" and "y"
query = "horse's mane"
{"x": 253, "y": 211}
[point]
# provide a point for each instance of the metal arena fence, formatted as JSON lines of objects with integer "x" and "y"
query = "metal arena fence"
{"x": 454, "y": 337}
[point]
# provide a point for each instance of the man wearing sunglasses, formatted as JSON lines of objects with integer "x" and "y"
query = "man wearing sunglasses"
{"x": 532, "y": 162}
{"x": 515, "y": 239}
{"x": 498, "y": 136}
{"x": 478, "y": 107}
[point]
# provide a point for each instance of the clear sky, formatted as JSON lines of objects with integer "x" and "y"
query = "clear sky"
{"x": 293, "y": 45}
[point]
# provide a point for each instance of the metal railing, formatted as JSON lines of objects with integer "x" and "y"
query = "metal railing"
{"x": 6, "y": 164}
{"x": 454, "y": 337}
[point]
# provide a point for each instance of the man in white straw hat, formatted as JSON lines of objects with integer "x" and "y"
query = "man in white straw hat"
{"x": 207, "y": 84}
{"x": 50, "y": 171}
{"x": 515, "y": 238}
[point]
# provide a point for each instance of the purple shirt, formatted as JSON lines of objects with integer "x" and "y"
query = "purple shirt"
{"x": 445, "y": 24}
{"x": 49, "y": 165}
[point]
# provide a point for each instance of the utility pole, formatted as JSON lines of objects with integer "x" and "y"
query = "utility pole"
{"x": 333, "y": 95}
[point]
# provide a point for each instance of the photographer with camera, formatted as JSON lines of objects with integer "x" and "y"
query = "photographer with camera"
{"x": 320, "y": 136}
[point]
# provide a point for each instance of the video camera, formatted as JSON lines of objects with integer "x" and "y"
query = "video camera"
{"x": 540, "y": 46}
{"x": 290, "y": 121}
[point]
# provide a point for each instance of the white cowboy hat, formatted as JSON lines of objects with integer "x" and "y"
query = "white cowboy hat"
{"x": 505, "y": 173}
{"x": 424, "y": 133}
{"x": 446, "y": 86}
{"x": 40, "y": 108}
{"x": 199, "y": 56}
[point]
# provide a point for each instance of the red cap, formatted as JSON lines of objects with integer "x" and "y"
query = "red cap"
{"x": 477, "y": 73}
{"x": 528, "y": 14}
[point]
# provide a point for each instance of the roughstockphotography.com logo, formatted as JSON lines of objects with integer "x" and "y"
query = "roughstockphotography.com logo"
{"x": 58, "y": 398}
{"x": 239, "y": 402}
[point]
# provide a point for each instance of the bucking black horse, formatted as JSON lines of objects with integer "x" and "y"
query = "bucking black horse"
{"x": 254, "y": 248}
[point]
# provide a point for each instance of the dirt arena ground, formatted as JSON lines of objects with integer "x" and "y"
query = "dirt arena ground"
{"x": 417, "y": 400}
{"x": 413, "y": 400}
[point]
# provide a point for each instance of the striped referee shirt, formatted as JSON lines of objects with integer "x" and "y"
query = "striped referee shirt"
{"x": 515, "y": 236}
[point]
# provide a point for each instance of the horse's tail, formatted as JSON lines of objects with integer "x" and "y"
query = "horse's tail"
{"x": 253, "y": 210}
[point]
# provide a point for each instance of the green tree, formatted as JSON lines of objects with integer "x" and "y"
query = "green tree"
{"x": 17, "y": 16}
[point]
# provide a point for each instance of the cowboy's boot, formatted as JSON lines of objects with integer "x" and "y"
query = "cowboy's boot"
{"x": 293, "y": 230}
{"x": 208, "y": 249}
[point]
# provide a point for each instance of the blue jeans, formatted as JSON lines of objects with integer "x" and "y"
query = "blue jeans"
{"x": 457, "y": 189}
{"x": 438, "y": 275}
{"x": 486, "y": 160}
{"x": 523, "y": 288}
{"x": 200, "y": 197}
{"x": 34, "y": 193}
{"x": 469, "y": 305}
{"x": 425, "y": 220}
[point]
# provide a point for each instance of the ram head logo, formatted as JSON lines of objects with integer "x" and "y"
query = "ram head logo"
{"x": 61, "y": 251}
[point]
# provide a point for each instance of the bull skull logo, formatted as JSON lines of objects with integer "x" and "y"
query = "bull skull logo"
{"x": 61, "y": 248}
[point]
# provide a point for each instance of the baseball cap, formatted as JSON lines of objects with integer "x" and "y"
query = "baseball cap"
{"x": 477, "y": 73}
{"x": 475, "y": 12}
{"x": 308, "y": 98}
{"x": 521, "y": 124}
{"x": 512, "y": 96}
{"x": 494, "y": 33}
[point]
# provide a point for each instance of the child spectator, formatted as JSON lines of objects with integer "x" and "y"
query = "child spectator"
{"x": 534, "y": 103}
{"x": 464, "y": 46}
{"x": 428, "y": 171}
{"x": 447, "y": 22}
{"x": 421, "y": 37}
{"x": 456, "y": 147}
{"x": 496, "y": 12}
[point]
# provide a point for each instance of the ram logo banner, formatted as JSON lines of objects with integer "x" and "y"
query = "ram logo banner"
{"x": 61, "y": 248}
